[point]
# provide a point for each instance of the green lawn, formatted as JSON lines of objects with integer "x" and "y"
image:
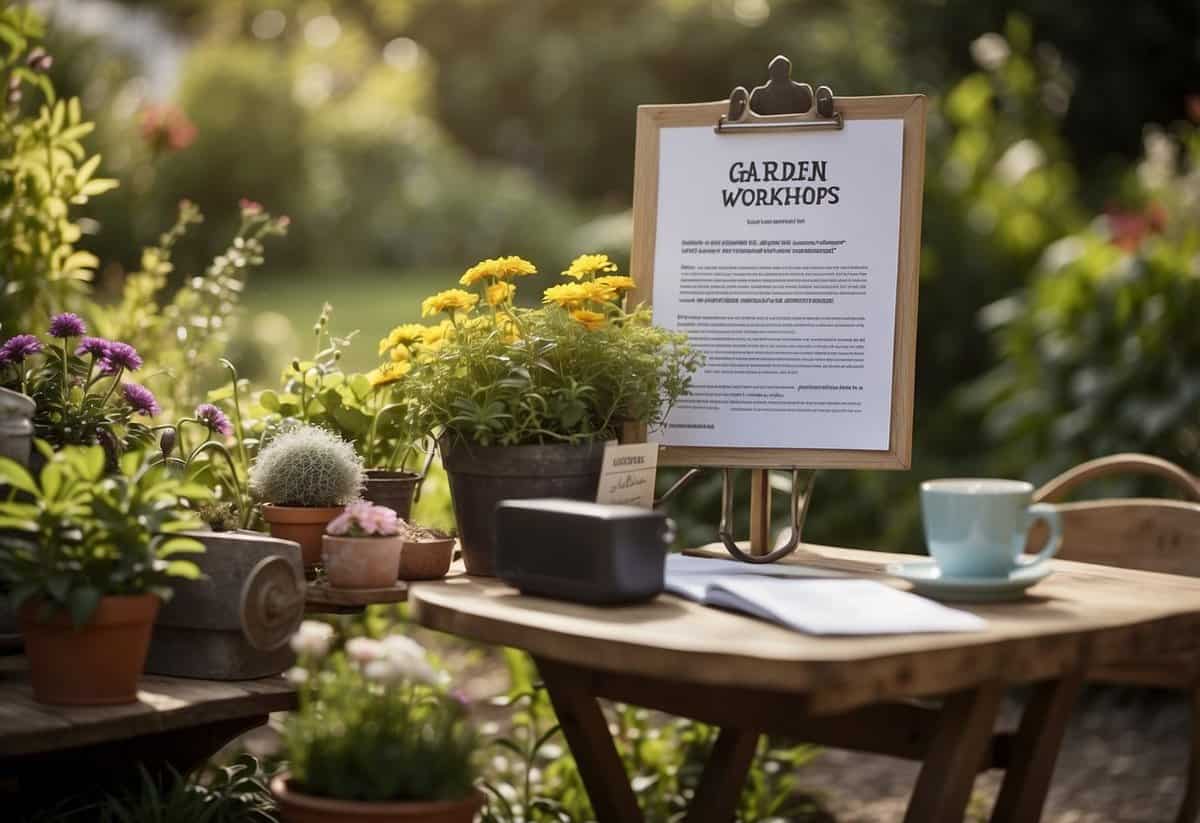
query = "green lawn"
{"x": 372, "y": 301}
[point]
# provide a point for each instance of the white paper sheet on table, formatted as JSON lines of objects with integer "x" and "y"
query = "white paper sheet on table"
{"x": 812, "y": 600}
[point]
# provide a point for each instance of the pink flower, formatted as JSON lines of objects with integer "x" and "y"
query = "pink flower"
{"x": 364, "y": 519}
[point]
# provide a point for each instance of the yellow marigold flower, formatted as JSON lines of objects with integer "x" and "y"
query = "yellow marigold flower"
{"x": 436, "y": 334}
{"x": 589, "y": 265}
{"x": 498, "y": 268}
{"x": 616, "y": 281}
{"x": 597, "y": 291}
{"x": 401, "y": 354}
{"x": 498, "y": 293}
{"x": 568, "y": 295}
{"x": 590, "y": 320}
{"x": 388, "y": 373}
{"x": 450, "y": 300}
{"x": 403, "y": 335}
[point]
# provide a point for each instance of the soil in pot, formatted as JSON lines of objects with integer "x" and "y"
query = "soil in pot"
{"x": 296, "y": 807}
{"x": 304, "y": 524}
{"x": 395, "y": 490}
{"x": 361, "y": 562}
{"x": 96, "y": 664}
{"x": 426, "y": 559}
{"x": 482, "y": 476}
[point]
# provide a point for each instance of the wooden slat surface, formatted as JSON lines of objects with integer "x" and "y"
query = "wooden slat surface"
{"x": 164, "y": 704}
{"x": 1082, "y": 615}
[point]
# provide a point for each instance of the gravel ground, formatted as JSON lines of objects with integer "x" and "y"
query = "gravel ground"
{"x": 1123, "y": 760}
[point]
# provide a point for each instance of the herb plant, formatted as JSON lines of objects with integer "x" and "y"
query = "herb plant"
{"x": 574, "y": 370}
{"x": 375, "y": 724}
{"x": 76, "y": 534}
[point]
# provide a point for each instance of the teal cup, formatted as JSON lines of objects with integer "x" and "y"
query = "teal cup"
{"x": 978, "y": 527}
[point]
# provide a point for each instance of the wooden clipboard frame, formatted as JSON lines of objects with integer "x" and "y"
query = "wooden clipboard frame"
{"x": 911, "y": 108}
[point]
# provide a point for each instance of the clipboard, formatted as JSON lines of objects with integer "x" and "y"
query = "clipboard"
{"x": 783, "y": 105}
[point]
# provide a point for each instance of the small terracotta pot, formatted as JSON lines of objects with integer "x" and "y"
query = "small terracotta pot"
{"x": 296, "y": 807}
{"x": 361, "y": 562}
{"x": 426, "y": 559}
{"x": 97, "y": 664}
{"x": 304, "y": 524}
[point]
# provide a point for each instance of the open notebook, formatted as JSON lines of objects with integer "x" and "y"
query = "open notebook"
{"x": 811, "y": 599}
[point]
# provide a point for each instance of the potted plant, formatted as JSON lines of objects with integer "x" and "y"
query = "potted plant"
{"x": 524, "y": 399}
{"x": 425, "y": 554}
{"x": 305, "y": 476}
{"x": 362, "y": 409}
{"x": 80, "y": 388}
{"x": 361, "y": 548}
{"x": 377, "y": 737}
{"x": 89, "y": 558}
{"x": 16, "y": 425}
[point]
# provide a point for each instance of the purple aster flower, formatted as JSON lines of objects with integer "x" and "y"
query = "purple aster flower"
{"x": 95, "y": 346}
{"x": 140, "y": 399}
{"x": 214, "y": 418}
{"x": 122, "y": 356}
{"x": 67, "y": 324}
{"x": 16, "y": 349}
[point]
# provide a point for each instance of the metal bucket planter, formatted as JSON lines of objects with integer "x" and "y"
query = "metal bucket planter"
{"x": 16, "y": 426}
{"x": 482, "y": 476}
{"x": 396, "y": 490}
{"x": 234, "y": 623}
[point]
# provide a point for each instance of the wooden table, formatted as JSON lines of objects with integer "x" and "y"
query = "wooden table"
{"x": 176, "y": 722}
{"x": 750, "y": 677}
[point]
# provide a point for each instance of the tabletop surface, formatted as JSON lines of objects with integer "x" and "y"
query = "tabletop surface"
{"x": 164, "y": 704}
{"x": 1081, "y": 615}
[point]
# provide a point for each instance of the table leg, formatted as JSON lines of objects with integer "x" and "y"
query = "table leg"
{"x": 960, "y": 740}
{"x": 1034, "y": 750}
{"x": 724, "y": 776}
{"x": 587, "y": 734}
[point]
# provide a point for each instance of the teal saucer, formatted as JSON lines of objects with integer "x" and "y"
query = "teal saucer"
{"x": 928, "y": 580}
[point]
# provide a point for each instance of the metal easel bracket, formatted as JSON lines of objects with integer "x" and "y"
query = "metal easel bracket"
{"x": 802, "y": 484}
{"x": 780, "y": 104}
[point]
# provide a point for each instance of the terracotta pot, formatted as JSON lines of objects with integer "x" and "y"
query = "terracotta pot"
{"x": 361, "y": 562}
{"x": 304, "y": 524}
{"x": 296, "y": 807}
{"x": 97, "y": 664}
{"x": 426, "y": 559}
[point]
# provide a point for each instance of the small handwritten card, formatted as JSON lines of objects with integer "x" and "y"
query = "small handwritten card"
{"x": 628, "y": 474}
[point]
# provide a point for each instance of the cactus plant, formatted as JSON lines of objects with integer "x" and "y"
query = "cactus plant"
{"x": 307, "y": 466}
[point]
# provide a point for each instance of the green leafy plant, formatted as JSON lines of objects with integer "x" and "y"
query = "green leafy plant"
{"x": 575, "y": 370}
{"x": 307, "y": 466}
{"x": 233, "y": 793}
{"x": 374, "y": 723}
{"x": 1099, "y": 353}
{"x": 532, "y": 776}
{"x": 186, "y": 335}
{"x": 46, "y": 173}
{"x": 357, "y": 408}
{"x": 76, "y": 534}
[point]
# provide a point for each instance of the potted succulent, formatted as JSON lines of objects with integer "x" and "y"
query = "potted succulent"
{"x": 363, "y": 409}
{"x": 376, "y": 738}
{"x": 89, "y": 558}
{"x": 305, "y": 476}
{"x": 361, "y": 548}
{"x": 524, "y": 399}
{"x": 425, "y": 554}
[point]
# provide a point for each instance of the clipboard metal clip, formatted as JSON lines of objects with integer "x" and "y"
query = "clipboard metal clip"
{"x": 780, "y": 104}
